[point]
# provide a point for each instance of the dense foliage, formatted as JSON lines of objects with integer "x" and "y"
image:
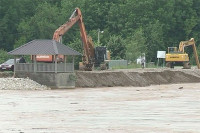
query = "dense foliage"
{"x": 131, "y": 27}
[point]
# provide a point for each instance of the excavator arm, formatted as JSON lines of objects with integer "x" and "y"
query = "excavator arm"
{"x": 184, "y": 44}
{"x": 64, "y": 28}
{"x": 191, "y": 42}
{"x": 88, "y": 46}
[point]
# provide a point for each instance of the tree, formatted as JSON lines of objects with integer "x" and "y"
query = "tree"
{"x": 11, "y": 13}
{"x": 4, "y": 56}
{"x": 154, "y": 39}
{"x": 41, "y": 25}
{"x": 161, "y": 23}
{"x": 117, "y": 48}
{"x": 136, "y": 45}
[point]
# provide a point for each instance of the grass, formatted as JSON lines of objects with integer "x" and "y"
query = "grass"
{"x": 134, "y": 65}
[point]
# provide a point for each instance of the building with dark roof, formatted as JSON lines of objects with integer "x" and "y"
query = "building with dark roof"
{"x": 44, "y": 47}
{"x": 54, "y": 74}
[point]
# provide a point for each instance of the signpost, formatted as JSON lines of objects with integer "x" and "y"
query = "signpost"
{"x": 161, "y": 55}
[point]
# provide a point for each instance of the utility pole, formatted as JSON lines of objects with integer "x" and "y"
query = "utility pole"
{"x": 99, "y": 31}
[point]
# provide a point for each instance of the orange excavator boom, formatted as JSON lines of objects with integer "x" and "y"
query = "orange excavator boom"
{"x": 88, "y": 52}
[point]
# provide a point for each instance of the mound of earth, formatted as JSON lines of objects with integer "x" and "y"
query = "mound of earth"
{"x": 137, "y": 77}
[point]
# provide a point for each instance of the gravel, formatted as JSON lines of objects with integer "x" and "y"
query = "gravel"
{"x": 20, "y": 84}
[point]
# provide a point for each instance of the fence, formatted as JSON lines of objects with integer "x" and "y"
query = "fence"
{"x": 117, "y": 64}
{"x": 44, "y": 67}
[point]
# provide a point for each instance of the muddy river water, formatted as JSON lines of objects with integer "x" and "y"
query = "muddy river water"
{"x": 171, "y": 108}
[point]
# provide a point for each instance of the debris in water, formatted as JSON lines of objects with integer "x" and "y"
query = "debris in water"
{"x": 180, "y": 87}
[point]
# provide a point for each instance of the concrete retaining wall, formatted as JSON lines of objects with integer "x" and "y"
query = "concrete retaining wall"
{"x": 52, "y": 80}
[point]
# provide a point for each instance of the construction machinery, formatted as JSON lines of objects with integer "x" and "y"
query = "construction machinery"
{"x": 89, "y": 58}
{"x": 178, "y": 56}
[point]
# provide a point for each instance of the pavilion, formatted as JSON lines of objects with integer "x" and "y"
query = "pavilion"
{"x": 44, "y": 47}
{"x": 51, "y": 74}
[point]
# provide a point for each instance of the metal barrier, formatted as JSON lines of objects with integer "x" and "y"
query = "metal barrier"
{"x": 44, "y": 67}
{"x": 117, "y": 64}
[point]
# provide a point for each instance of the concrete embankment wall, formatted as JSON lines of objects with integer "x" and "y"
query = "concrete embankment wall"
{"x": 136, "y": 78}
{"x": 52, "y": 80}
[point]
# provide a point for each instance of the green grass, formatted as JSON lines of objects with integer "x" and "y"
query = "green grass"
{"x": 134, "y": 65}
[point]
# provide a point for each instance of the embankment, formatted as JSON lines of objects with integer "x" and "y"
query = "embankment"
{"x": 136, "y": 77}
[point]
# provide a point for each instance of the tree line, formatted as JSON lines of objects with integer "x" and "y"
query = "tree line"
{"x": 131, "y": 27}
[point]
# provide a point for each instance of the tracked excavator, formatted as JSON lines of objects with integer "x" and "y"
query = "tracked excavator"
{"x": 178, "y": 57}
{"x": 91, "y": 55}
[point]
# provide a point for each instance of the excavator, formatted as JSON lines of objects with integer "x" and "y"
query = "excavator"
{"x": 180, "y": 57}
{"x": 88, "y": 58}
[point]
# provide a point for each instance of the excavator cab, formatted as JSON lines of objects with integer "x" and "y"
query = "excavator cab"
{"x": 172, "y": 49}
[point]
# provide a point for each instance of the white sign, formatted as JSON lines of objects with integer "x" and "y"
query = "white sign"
{"x": 161, "y": 54}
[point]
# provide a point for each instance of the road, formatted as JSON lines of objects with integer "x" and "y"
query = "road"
{"x": 155, "y": 109}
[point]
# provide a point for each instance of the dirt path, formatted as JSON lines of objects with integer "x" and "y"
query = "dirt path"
{"x": 163, "y": 108}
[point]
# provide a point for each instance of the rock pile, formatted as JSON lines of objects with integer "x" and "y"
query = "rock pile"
{"x": 20, "y": 84}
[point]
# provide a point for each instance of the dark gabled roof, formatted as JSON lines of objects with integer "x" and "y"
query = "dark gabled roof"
{"x": 43, "y": 47}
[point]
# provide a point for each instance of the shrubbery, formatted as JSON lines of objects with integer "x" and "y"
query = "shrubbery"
{"x": 4, "y": 56}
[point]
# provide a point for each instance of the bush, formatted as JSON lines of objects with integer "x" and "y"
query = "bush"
{"x": 4, "y": 56}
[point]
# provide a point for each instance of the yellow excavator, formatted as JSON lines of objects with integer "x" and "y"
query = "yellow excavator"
{"x": 176, "y": 57}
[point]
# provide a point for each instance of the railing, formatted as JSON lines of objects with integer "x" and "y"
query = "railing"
{"x": 117, "y": 64}
{"x": 44, "y": 67}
